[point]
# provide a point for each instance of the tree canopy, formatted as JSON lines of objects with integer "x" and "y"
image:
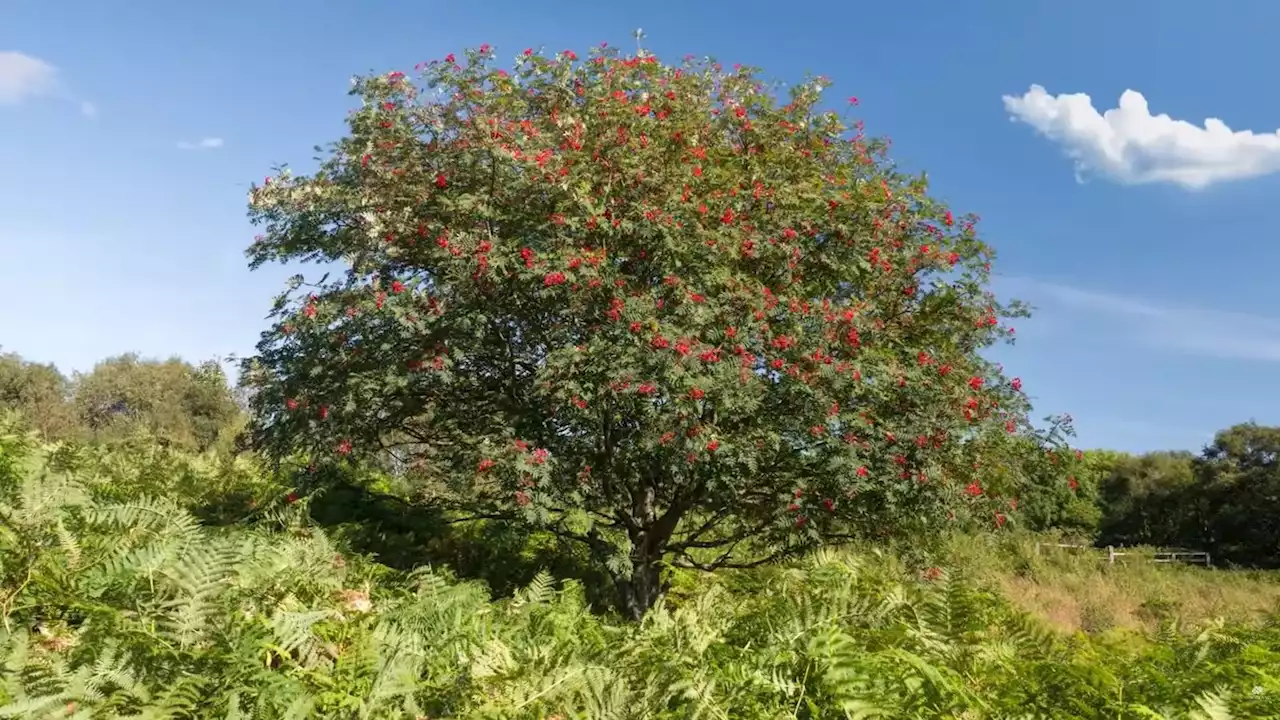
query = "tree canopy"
{"x": 662, "y": 309}
{"x": 39, "y": 392}
{"x": 179, "y": 402}
{"x": 187, "y": 406}
{"x": 1223, "y": 501}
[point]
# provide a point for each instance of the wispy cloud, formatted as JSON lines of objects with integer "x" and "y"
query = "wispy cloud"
{"x": 24, "y": 77}
{"x": 1130, "y": 145}
{"x": 1166, "y": 326}
{"x": 207, "y": 143}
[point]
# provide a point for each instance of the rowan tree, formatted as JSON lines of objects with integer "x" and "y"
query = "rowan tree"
{"x": 665, "y": 310}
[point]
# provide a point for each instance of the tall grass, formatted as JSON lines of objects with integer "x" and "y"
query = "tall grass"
{"x": 1079, "y": 590}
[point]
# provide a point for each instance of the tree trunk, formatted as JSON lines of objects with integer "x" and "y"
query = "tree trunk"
{"x": 649, "y": 538}
{"x": 638, "y": 593}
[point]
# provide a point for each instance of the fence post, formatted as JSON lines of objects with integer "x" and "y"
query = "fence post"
{"x": 1111, "y": 555}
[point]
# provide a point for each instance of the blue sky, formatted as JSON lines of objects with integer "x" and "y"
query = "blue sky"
{"x": 129, "y": 133}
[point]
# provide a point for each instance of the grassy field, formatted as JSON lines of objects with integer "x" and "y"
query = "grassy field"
{"x": 1078, "y": 590}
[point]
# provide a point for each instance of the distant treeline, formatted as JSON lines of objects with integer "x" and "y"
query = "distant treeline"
{"x": 187, "y": 406}
{"x": 1224, "y": 500}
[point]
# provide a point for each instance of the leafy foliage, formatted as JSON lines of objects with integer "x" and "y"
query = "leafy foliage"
{"x": 1223, "y": 501}
{"x": 119, "y": 606}
{"x": 657, "y": 308}
{"x": 1074, "y": 507}
{"x": 39, "y": 392}
{"x": 187, "y": 406}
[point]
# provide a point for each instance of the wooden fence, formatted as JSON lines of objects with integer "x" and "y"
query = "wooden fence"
{"x": 1192, "y": 557}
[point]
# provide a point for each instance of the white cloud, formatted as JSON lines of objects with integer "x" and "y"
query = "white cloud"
{"x": 1190, "y": 330}
{"x": 1130, "y": 145}
{"x": 208, "y": 143}
{"x": 23, "y": 77}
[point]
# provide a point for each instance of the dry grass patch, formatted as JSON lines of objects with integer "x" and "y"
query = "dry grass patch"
{"x": 1077, "y": 590}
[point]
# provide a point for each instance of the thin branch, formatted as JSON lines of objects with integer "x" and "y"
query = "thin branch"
{"x": 723, "y": 562}
{"x": 473, "y": 518}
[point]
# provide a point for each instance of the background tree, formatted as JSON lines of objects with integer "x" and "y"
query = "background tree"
{"x": 186, "y": 405}
{"x": 1224, "y": 501}
{"x": 1145, "y": 501}
{"x": 40, "y": 393}
{"x": 1069, "y": 506}
{"x": 1237, "y": 506}
{"x": 654, "y": 308}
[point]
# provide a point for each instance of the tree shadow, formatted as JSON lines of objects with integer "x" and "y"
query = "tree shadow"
{"x": 404, "y": 535}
